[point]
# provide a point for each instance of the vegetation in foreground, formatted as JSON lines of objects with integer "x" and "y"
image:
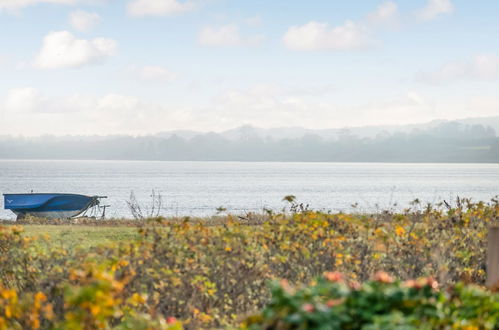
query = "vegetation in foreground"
{"x": 382, "y": 303}
{"x": 196, "y": 275}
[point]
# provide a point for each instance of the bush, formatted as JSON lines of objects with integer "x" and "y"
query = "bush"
{"x": 213, "y": 275}
{"x": 382, "y": 303}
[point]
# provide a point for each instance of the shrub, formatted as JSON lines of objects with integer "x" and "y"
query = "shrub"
{"x": 382, "y": 303}
{"x": 214, "y": 274}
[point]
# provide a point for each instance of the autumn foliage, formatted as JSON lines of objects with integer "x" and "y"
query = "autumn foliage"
{"x": 203, "y": 275}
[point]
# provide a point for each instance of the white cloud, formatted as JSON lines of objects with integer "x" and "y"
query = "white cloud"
{"x": 63, "y": 50}
{"x": 480, "y": 106}
{"x": 264, "y": 105}
{"x": 30, "y": 101}
{"x": 23, "y": 99}
{"x": 84, "y": 114}
{"x": 159, "y": 7}
{"x": 153, "y": 73}
{"x": 269, "y": 106}
{"x": 435, "y": 8}
{"x": 404, "y": 108}
{"x": 385, "y": 13}
{"x": 320, "y": 36}
{"x": 481, "y": 68}
{"x": 117, "y": 102}
{"x": 227, "y": 36}
{"x": 83, "y": 21}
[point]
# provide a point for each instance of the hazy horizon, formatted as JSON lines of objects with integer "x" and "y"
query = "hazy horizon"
{"x": 444, "y": 142}
{"x": 381, "y": 127}
{"x": 140, "y": 67}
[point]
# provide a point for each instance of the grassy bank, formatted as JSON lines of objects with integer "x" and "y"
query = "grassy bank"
{"x": 215, "y": 273}
{"x": 82, "y": 236}
{"x": 90, "y": 232}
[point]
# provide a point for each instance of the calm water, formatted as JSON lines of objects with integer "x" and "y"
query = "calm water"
{"x": 198, "y": 188}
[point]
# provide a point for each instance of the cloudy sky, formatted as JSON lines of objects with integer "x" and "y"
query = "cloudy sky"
{"x": 145, "y": 66}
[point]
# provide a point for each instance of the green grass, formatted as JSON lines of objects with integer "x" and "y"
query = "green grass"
{"x": 87, "y": 233}
{"x": 82, "y": 236}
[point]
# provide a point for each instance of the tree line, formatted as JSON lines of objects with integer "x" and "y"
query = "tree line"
{"x": 447, "y": 142}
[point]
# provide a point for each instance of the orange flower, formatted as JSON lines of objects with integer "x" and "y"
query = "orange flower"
{"x": 333, "y": 276}
{"x": 431, "y": 282}
{"x": 354, "y": 285}
{"x": 286, "y": 287}
{"x": 400, "y": 231}
{"x": 334, "y": 302}
{"x": 309, "y": 308}
{"x": 411, "y": 284}
{"x": 421, "y": 283}
{"x": 383, "y": 277}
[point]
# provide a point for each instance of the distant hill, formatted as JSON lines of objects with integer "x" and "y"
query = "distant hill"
{"x": 486, "y": 121}
{"x": 247, "y": 131}
{"x": 467, "y": 140}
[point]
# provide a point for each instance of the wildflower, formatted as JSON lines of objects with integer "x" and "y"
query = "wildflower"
{"x": 383, "y": 277}
{"x": 410, "y": 284}
{"x": 354, "y": 285}
{"x": 48, "y": 311}
{"x": 171, "y": 320}
{"x": 334, "y": 302}
{"x": 286, "y": 287}
{"x": 8, "y": 312}
{"x": 35, "y": 324}
{"x": 471, "y": 327}
{"x": 431, "y": 282}
{"x": 40, "y": 296}
{"x": 137, "y": 299}
{"x": 123, "y": 263}
{"x": 205, "y": 318}
{"x": 400, "y": 231}
{"x": 8, "y": 294}
{"x": 421, "y": 283}
{"x": 95, "y": 309}
{"x": 333, "y": 276}
{"x": 309, "y": 308}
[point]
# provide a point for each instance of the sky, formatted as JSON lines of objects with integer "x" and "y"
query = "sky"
{"x": 139, "y": 67}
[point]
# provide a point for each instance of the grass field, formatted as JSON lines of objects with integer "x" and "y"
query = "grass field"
{"x": 82, "y": 236}
{"x": 88, "y": 233}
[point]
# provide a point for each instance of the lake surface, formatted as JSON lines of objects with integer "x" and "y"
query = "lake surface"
{"x": 198, "y": 188}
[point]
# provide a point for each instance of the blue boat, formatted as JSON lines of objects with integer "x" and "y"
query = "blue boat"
{"x": 48, "y": 205}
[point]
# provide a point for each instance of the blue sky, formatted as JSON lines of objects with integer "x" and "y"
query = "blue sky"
{"x": 144, "y": 66}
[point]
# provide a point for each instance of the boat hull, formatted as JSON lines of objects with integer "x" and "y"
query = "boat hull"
{"x": 52, "y": 206}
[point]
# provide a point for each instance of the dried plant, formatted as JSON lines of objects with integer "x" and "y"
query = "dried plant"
{"x": 139, "y": 212}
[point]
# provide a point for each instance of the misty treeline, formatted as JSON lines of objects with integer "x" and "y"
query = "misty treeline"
{"x": 447, "y": 142}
